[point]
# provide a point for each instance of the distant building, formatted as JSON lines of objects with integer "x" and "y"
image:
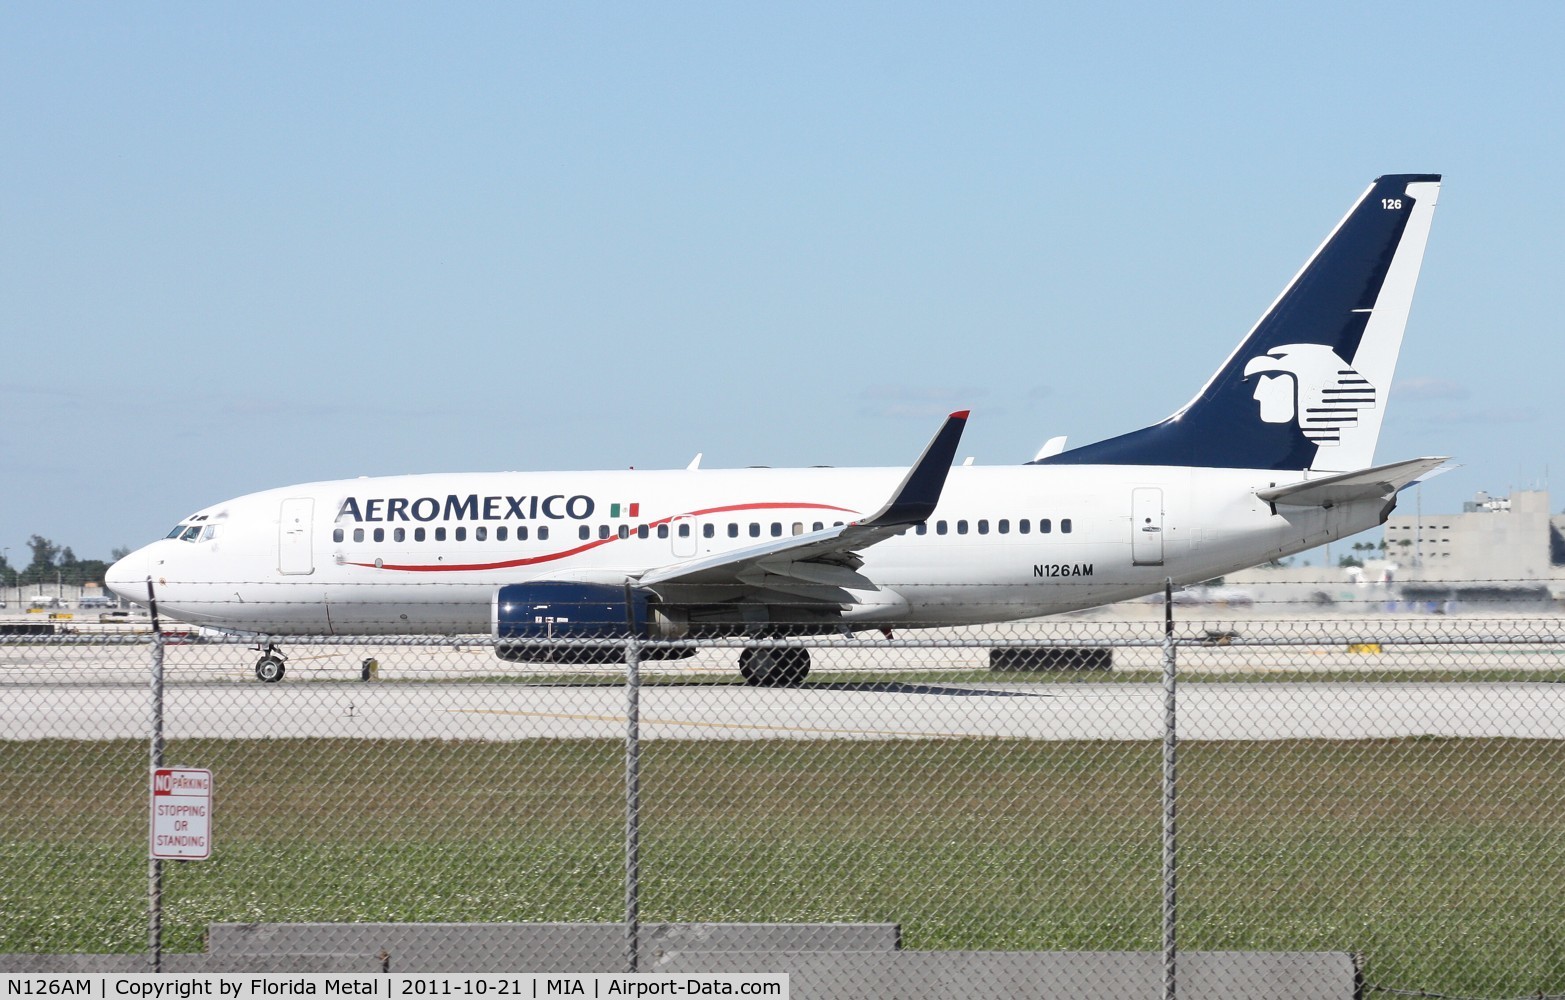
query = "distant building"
{"x": 1498, "y": 548}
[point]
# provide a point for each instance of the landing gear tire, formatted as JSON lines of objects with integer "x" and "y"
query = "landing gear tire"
{"x": 269, "y": 669}
{"x": 785, "y": 667}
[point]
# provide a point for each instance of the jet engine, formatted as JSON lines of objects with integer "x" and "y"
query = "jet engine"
{"x": 530, "y": 621}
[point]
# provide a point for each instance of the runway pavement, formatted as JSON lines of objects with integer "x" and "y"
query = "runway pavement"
{"x": 1075, "y": 711}
{"x": 96, "y": 687}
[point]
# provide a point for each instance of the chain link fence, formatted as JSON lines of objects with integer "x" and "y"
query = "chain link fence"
{"x": 1391, "y": 786}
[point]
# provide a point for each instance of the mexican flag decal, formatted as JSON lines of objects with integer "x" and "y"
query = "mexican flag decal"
{"x": 624, "y": 510}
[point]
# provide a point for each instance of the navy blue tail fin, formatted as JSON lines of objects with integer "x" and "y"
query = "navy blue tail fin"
{"x": 1306, "y": 388}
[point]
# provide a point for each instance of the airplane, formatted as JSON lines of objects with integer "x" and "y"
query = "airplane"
{"x": 1274, "y": 455}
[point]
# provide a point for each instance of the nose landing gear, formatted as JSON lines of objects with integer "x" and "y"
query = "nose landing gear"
{"x": 269, "y": 668}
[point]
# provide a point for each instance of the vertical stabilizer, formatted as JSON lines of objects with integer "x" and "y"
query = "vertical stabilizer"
{"x": 1306, "y": 389}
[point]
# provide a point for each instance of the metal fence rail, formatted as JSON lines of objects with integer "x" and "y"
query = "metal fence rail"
{"x": 1391, "y": 787}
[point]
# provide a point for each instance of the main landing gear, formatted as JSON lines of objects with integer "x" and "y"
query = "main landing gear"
{"x": 782, "y": 666}
{"x": 269, "y": 668}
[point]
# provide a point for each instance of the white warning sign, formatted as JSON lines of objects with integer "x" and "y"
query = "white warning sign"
{"x": 181, "y": 813}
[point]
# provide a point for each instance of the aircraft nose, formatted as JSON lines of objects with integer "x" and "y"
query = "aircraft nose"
{"x": 127, "y": 578}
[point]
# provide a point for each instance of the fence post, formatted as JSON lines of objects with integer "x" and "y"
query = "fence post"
{"x": 155, "y": 865}
{"x": 632, "y": 802}
{"x": 1170, "y": 805}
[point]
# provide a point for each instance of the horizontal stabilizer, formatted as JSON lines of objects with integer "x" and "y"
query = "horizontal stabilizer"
{"x": 1366, "y": 484}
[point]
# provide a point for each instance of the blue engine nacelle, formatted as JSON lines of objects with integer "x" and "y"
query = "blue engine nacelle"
{"x": 530, "y": 619}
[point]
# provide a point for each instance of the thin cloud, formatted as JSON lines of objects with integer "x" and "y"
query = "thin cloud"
{"x": 1485, "y": 416}
{"x": 1419, "y": 387}
{"x": 917, "y": 400}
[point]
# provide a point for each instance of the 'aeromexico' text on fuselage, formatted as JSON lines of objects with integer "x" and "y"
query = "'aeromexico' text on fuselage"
{"x": 472, "y": 507}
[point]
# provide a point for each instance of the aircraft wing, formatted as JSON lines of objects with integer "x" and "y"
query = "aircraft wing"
{"x": 823, "y": 565}
{"x": 1366, "y": 484}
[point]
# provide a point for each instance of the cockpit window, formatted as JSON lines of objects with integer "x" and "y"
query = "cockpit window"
{"x": 176, "y": 532}
{"x": 209, "y": 532}
{"x": 191, "y": 533}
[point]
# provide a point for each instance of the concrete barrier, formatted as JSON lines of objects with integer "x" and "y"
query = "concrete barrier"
{"x": 188, "y": 963}
{"x": 836, "y": 961}
{"x": 561, "y": 947}
{"x": 1081, "y": 975}
{"x": 1048, "y": 658}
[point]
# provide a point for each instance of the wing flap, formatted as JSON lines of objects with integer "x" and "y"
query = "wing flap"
{"x": 827, "y": 573}
{"x": 794, "y": 587}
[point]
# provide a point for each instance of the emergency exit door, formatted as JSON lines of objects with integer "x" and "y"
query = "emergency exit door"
{"x": 683, "y": 536}
{"x": 1146, "y": 526}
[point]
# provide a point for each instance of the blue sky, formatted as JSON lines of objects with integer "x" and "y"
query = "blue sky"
{"x": 246, "y": 246}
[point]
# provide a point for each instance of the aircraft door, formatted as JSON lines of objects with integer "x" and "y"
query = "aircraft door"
{"x": 295, "y": 541}
{"x": 682, "y": 533}
{"x": 1146, "y": 526}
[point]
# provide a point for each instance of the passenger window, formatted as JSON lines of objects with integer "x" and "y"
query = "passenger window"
{"x": 817, "y": 526}
{"x": 1004, "y": 527}
{"x": 922, "y": 529}
{"x": 480, "y": 534}
{"x": 733, "y": 531}
{"x": 708, "y": 531}
{"x": 755, "y": 530}
{"x": 501, "y": 533}
{"x": 1023, "y": 526}
{"x": 662, "y": 531}
{"x": 1045, "y": 526}
{"x": 440, "y": 534}
{"x": 961, "y": 527}
{"x": 380, "y": 534}
{"x": 521, "y": 533}
{"x": 399, "y": 534}
{"x": 983, "y": 527}
{"x": 940, "y": 527}
{"x": 684, "y": 531}
{"x": 623, "y": 531}
{"x": 461, "y": 534}
{"x": 1065, "y": 525}
{"x": 603, "y": 531}
{"x": 358, "y": 534}
{"x": 776, "y": 529}
{"x": 543, "y": 533}
{"x": 418, "y": 534}
{"x": 642, "y": 531}
{"x": 585, "y": 532}
{"x": 337, "y": 535}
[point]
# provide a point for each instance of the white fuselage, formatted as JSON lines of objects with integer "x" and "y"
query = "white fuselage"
{"x": 427, "y": 553}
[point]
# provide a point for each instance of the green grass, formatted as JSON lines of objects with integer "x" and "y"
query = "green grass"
{"x": 1442, "y": 861}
